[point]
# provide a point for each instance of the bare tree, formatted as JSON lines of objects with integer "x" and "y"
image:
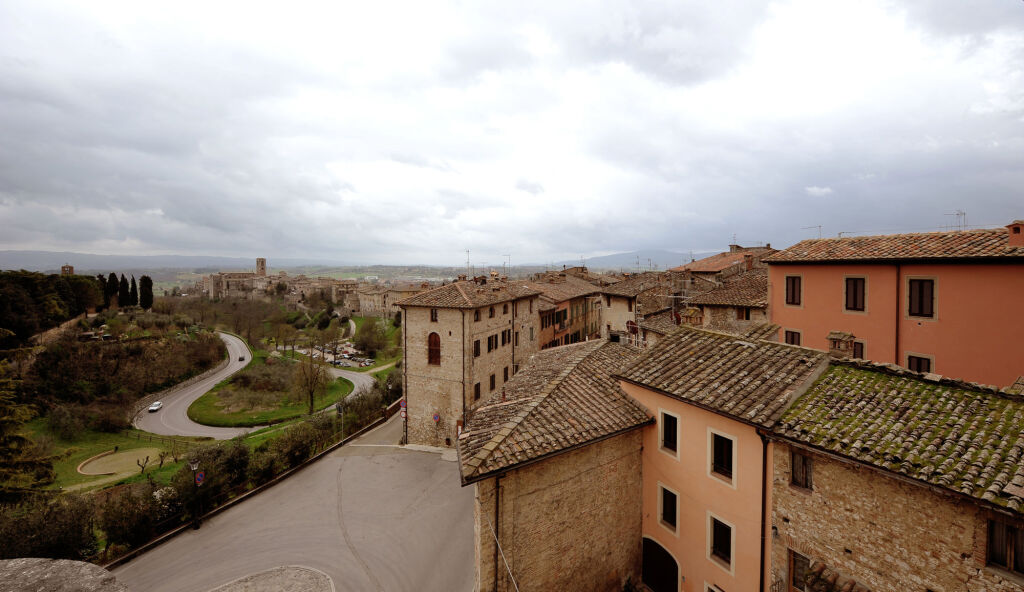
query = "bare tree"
{"x": 142, "y": 464}
{"x": 311, "y": 376}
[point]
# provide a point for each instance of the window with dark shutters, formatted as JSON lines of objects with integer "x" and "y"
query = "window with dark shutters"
{"x": 801, "y": 476}
{"x": 1005, "y": 545}
{"x": 858, "y": 350}
{"x": 919, "y": 364}
{"x": 721, "y": 455}
{"x": 793, "y": 290}
{"x": 721, "y": 541}
{"x": 922, "y": 298}
{"x": 793, "y": 337}
{"x": 434, "y": 349}
{"x": 668, "y": 508}
{"x": 855, "y": 294}
{"x": 669, "y": 432}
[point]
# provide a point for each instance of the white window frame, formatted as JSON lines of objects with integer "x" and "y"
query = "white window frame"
{"x": 712, "y": 432}
{"x": 731, "y": 570}
{"x": 661, "y": 433}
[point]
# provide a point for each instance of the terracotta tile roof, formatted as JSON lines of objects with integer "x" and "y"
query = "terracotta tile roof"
{"x": 635, "y": 284}
{"x": 468, "y": 294}
{"x": 752, "y": 381}
{"x": 562, "y": 288}
{"x": 716, "y": 263}
{"x": 749, "y": 288}
{"x": 962, "y": 437}
{"x": 561, "y": 398}
{"x": 661, "y": 323}
{"x": 766, "y": 331}
{"x": 990, "y": 243}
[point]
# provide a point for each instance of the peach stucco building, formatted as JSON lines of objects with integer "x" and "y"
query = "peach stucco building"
{"x": 706, "y": 505}
{"x": 947, "y": 303}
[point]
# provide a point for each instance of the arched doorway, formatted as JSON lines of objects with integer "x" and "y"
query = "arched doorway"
{"x": 660, "y": 572}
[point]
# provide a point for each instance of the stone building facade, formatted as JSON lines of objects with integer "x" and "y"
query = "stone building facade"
{"x": 625, "y": 303}
{"x": 557, "y": 504}
{"x": 462, "y": 341}
{"x": 739, "y": 303}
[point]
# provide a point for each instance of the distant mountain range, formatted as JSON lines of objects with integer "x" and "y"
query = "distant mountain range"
{"x": 51, "y": 261}
{"x": 656, "y": 258}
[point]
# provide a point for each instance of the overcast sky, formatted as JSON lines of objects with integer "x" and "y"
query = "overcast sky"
{"x": 390, "y": 132}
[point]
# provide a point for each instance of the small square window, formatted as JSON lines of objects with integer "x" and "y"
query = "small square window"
{"x": 919, "y": 364}
{"x": 669, "y": 433}
{"x": 1005, "y": 545}
{"x": 801, "y": 472}
{"x": 921, "y": 298}
{"x": 793, "y": 337}
{"x": 855, "y": 294}
{"x": 668, "y": 508}
{"x": 721, "y": 541}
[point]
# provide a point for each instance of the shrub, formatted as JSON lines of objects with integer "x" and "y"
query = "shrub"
{"x": 264, "y": 466}
{"x": 295, "y": 444}
{"x": 66, "y": 421}
{"x": 58, "y": 528}
{"x": 129, "y": 518}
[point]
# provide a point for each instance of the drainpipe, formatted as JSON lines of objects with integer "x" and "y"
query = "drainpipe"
{"x": 764, "y": 498}
{"x": 497, "y": 527}
{"x": 405, "y": 371}
{"x": 896, "y": 353}
{"x": 464, "y": 342}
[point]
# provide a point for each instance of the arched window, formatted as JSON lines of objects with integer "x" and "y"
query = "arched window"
{"x": 434, "y": 349}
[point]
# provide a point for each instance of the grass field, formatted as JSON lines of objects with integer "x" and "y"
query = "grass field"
{"x": 208, "y": 409}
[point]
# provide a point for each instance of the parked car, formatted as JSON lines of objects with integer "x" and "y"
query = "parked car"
{"x": 156, "y": 406}
{"x": 241, "y": 358}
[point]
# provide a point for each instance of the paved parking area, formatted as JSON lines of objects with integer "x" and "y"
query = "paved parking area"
{"x": 370, "y": 516}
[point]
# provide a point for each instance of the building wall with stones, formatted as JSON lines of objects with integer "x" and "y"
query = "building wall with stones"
{"x": 449, "y": 389}
{"x": 616, "y": 311}
{"x": 885, "y": 534}
{"x": 570, "y": 522}
{"x": 724, "y": 318}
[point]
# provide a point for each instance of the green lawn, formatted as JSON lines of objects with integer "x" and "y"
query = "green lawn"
{"x": 207, "y": 409}
{"x": 88, "y": 444}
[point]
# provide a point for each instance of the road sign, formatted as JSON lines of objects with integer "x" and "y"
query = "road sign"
{"x": 200, "y": 477}
{"x": 437, "y": 418}
{"x": 403, "y": 413}
{"x": 402, "y": 403}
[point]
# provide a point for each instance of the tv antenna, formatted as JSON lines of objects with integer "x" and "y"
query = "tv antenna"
{"x": 961, "y": 219}
{"x": 508, "y": 266}
{"x": 810, "y": 227}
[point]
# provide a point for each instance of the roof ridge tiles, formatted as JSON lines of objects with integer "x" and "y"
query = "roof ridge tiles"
{"x": 463, "y": 293}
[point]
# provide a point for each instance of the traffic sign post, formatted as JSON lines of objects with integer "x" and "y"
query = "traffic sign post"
{"x": 200, "y": 477}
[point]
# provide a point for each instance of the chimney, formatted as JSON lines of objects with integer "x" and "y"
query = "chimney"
{"x": 462, "y": 277}
{"x": 840, "y": 345}
{"x": 1016, "y": 233}
{"x": 748, "y": 261}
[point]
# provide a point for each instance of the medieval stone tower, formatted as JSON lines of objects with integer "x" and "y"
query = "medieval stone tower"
{"x": 261, "y": 267}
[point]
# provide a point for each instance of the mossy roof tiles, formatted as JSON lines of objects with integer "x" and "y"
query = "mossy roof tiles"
{"x": 470, "y": 294}
{"x": 661, "y": 323}
{"x": 923, "y": 427}
{"x": 750, "y": 380}
{"x": 749, "y": 288}
{"x": 561, "y": 398}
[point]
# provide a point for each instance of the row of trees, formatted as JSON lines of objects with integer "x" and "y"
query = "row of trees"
{"x": 31, "y": 302}
{"x": 126, "y": 293}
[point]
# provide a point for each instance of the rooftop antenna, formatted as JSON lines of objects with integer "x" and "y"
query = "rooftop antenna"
{"x": 508, "y": 266}
{"x": 467, "y": 260}
{"x": 810, "y": 227}
{"x": 961, "y": 219}
{"x": 734, "y": 238}
{"x": 638, "y": 263}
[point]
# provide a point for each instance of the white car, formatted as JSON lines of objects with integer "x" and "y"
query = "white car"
{"x": 155, "y": 407}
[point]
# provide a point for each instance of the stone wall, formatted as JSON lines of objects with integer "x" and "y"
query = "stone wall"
{"x": 887, "y": 535}
{"x": 723, "y": 318}
{"x": 571, "y": 522}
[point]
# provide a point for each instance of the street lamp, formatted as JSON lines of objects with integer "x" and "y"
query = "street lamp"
{"x": 193, "y": 463}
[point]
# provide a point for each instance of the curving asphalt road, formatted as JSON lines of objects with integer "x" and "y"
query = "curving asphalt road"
{"x": 370, "y": 515}
{"x": 173, "y": 419}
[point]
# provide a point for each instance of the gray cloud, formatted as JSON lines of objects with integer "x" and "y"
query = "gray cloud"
{"x": 544, "y": 130}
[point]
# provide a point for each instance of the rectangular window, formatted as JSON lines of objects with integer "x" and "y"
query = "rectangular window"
{"x": 799, "y": 567}
{"x": 922, "y": 298}
{"x": 855, "y": 294}
{"x": 506, "y": 375}
{"x": 858, "y": 350}
{"x": 516, "y": 344}
{"x": 793, "y": 290}
{"x": 1005, "y": 545}
{"x": 504, "y": 309}
{"x": 491, "y": 313}
{"x": 668, "y": 508}
{"x": 793, "y": 337}
{"x": 721, "y": 455}
{"x": 476, "y": 315}
{"x": 629, "y": 304}
{"x": 503, "y": 338}
{"x": 531, "y": 307}
{"x": 515, "y": 367}
{"x": 476, "y": 348}
{"x": 721, "y": 541}
{"x": 742, "y": 313}
{"x": 801, "y": 476}
{"x": 919, "y": 364}
{"x": 433, "y": 315}
{"x": 669, "y": 433}
{"x": 476, "y": 391}
{"x": 492, "y": 382}
{"x": 531, "y": 333}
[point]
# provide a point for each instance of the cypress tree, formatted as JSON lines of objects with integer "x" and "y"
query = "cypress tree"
{"x": 133, "y": 293}
{"x": 108, "y": 296}
{"x": 123, "y": 293}
{"x": 103, "y": 291}
{"x": 146, "y": 292}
